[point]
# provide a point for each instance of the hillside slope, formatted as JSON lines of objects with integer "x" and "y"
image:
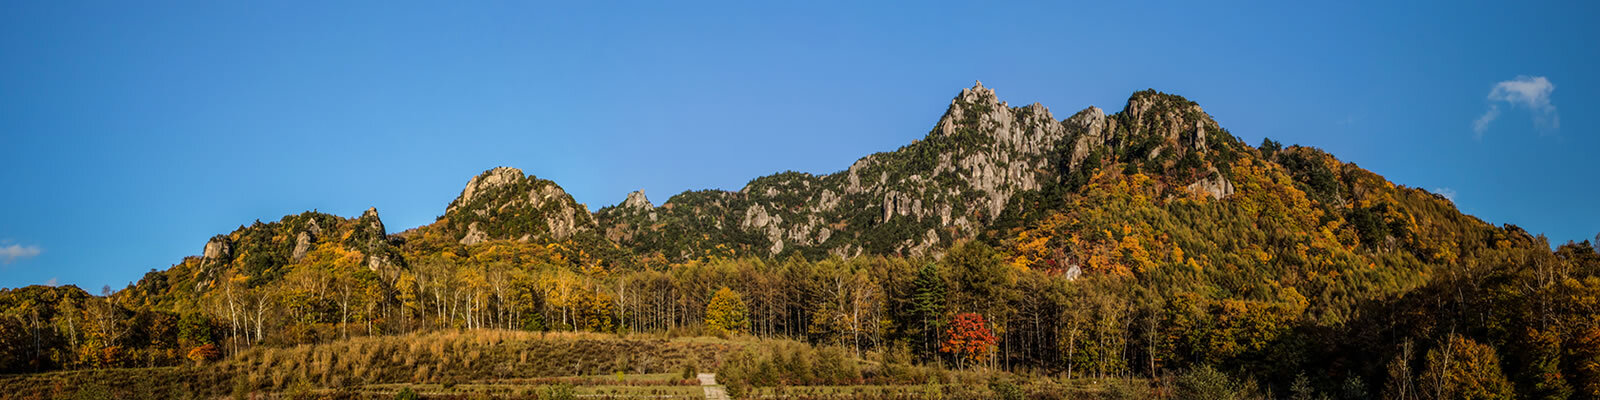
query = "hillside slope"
{"x": 1137, "y": 243}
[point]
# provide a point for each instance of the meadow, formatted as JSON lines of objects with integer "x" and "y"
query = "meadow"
{"x": 504, "y": 364}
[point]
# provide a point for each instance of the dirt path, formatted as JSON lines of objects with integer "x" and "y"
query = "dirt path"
{"x": 713, "y": 392}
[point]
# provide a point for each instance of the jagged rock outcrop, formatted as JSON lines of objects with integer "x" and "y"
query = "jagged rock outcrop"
{"x": 636, "y": 200}
{"x": 474, "y": 235}
{"x": 370, "y": 218}
{"x": 978, "y": 156}
{"x": 369, "y": 236}
{"x": 1213, "y": 185}
{"x": 302, "y": 244}
{"x": 493, "y": 178}
{"x": 1169, "y": 117}
{"x": 954, "y": 183}
{"x": 506, "y": 204}
{"x": 313, "y": 227}
{"x": 218, "y": 248}
{"x": 1094, "y": 130}
{"x": 263, "y": 251}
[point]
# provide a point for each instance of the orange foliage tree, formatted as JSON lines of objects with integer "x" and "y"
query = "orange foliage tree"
{"x": 205, "y": 352}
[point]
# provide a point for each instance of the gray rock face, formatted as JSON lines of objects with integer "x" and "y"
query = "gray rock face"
{"x": 501, "y": 203}
{"x": 563, "y": 222}
{"x": 474, "y": 235}
{"x": 637, "y": 201}
{"x": 978, "y": 156}
{"x": 218, "y": 248}
{"x": 1213, "y": 185}
{"x": 954, "y": 183}
{"x": 478, "y": 184}
{"x": 1191, "y": 136}
{"x": 373, "y": 222}
{"x": 380, "y": 254}
{"x": 1006, "y": 150}
{"x": 376, "y": 262}
{"x": 302, "y": 244}
{"x": 314, "y": 228}
{"x": 1023, "y": 138}
{"x": 1094, "y": 131}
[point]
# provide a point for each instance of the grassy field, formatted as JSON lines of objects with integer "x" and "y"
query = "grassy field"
{"x": 522, "y": 365}
{"x": 493, "y": 364}
{"x": 655, "y": 386}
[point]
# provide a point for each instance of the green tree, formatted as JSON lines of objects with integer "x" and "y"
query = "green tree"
{"x": 1543, "y": 375}
{"x": 194, "y": 329}
{"x": 927, "y": 308}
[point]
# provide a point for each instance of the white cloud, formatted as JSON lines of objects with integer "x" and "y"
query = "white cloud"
{"x": 53, "y": 282}
{"x": 1482, "y": 124}
{"x": 1531, "y": 92}
{"x": 13, "y": 252}
{"x": 1448, "y": 193}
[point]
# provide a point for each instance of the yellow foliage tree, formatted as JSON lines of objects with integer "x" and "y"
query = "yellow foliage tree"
{"x": 726, "y": 313}
{"x": 1461, "y": 368}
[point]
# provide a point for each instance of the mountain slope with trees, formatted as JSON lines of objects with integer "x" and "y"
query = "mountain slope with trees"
{"x": 1145, "y": 243}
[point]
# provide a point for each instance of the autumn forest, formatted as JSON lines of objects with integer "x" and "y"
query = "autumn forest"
{"x": 1010, "y": 254}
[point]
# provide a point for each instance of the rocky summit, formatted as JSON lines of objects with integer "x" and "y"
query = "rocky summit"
{"x": 953, "y": 184}
{"x": 961, "y": 180}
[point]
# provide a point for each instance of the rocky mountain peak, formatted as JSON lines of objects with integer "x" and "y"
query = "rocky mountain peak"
{"x": 954, "y": 183}
{"x": 636, "y": 200}
{"x": 374, "y": 223}
{"x": 218, "y": 248}
{"x": 505, "y": 203}
{"x": 498, "y": 176}
{"x": 1093, "y": 128}
{"x": 1170, "y": 117}
{"x": 978, "y": 95}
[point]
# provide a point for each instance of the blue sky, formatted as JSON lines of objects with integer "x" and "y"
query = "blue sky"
{"x": 132, "y": 132}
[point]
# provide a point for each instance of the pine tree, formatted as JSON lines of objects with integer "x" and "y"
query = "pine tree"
{"x": 927, "y": 305}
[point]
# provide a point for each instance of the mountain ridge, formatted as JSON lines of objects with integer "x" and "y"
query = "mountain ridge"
{"x": 1138, "y": 242}
{"x": 956, "y": 182}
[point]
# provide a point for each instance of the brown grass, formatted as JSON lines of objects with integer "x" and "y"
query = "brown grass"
{"x": 448, "y": 357}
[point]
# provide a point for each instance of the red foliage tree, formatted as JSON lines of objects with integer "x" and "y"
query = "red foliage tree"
{"x": 968, "y": 338}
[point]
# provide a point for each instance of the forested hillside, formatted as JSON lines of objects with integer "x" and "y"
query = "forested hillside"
{"x": 1146, "y": 243}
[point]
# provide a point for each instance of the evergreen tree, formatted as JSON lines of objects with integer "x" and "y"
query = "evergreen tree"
{"x": 927, "y": 308}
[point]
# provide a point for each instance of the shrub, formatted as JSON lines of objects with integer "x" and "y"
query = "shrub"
{"x": 406, "y": 394}
{"x": 241, "y": 389}
{"x": 1205, "y": 382}
{"x": 300, "y": 390}
{"x": 562, "y": 391}
{"x": 1005, "y": 389}
{"x": 736, "y": 389}
{"x": 1301, "y": 389}
{"x": 1354, "y": 388}
{"x": 1129, "y": 389}
{"x": 93, "y": 391}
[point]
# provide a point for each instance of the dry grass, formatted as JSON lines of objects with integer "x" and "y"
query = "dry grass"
{"x": 524, "y": 365}
{"x": 448, "y": 358}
